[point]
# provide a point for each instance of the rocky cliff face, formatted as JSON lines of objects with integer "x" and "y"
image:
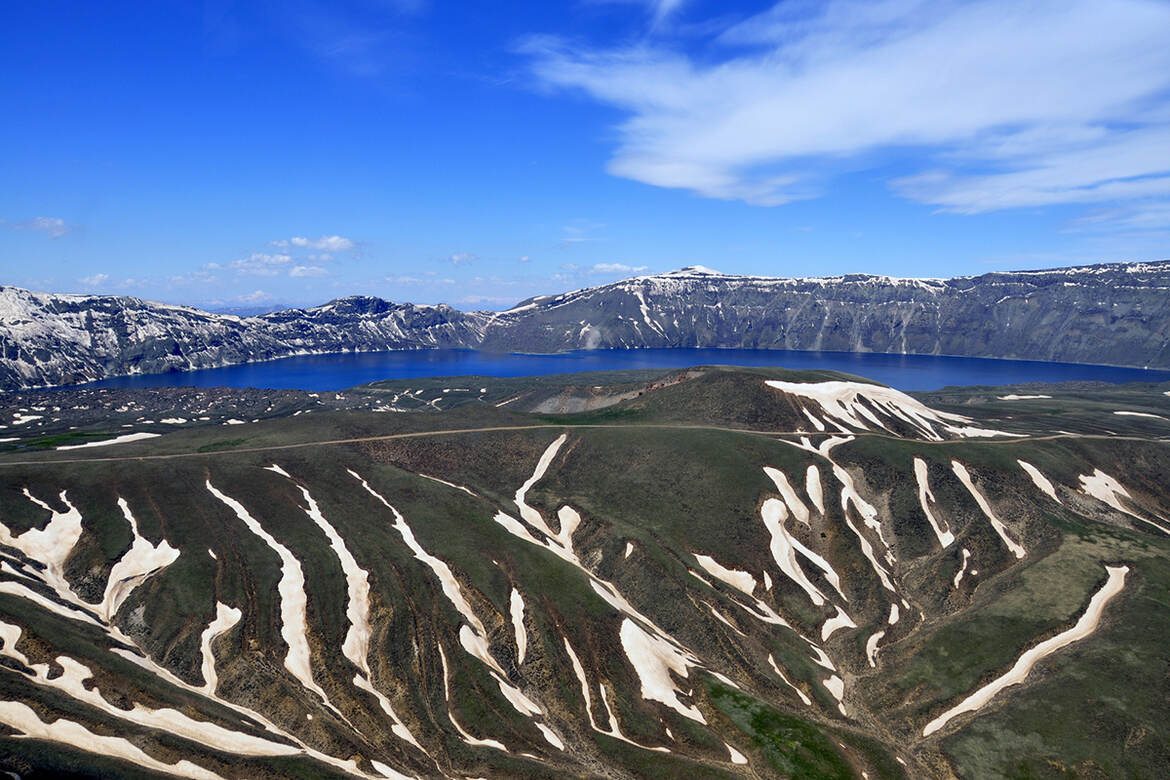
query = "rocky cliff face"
{"x": 62, "y": 339}
{"x": 1112, "y": 313}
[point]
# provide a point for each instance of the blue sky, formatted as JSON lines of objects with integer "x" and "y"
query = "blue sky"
{"x": 229, "y": 154}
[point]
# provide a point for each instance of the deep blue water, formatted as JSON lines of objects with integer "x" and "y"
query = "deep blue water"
{"x": 905, "y": 372}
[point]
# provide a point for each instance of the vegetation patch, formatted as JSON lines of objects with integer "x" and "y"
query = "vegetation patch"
{"x": 794, "y": 746}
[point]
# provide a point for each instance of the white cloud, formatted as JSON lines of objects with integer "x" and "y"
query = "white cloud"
{"x": 256, "y": 296}
{"x": 53, "y": 227}
{"x": 307, "y": 270}
{"x": 617, "y": 268}
{"x": 419, "y": 280}
{"x": 461, "y": 257}
{"x": 1005, "y": 103}
{"x": 261, "y": 264}
{"x": 660, "y": 10}
{"x": 201, "y": 276}
{"x": 97, "y": 280}
{"x": 324, "y": 243}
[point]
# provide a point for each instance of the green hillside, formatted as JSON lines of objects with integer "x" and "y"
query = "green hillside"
{"x": 693, "y": 574}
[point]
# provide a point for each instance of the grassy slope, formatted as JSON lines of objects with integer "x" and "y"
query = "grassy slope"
{"x": 672, "y": 493}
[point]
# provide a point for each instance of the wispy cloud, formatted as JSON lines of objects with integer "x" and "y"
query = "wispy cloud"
{"x": 418, "y": 280}
{"x": 261, "y": 264}
{"x": 324, "y": 243}
{"x": 96, "y": 280}
{"x": 999, "y": 104}
{"x": 659, "y": 10}
{"x": 461, "y": 258}
{"x": 357, "y": 38}
{"x": 53, "y": 227}
{"x": 1137, "y": 216}
{"x": 307, "y": 270}
{"x": 617, "y": 268}
{"x": 578, "y": 232}
{"x": 479, "y": 300}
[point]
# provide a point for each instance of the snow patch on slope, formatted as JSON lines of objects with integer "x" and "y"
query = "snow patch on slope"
{"x": 1106, "y": 489}
{"x": 225, "y": 618}
{"x": 965, "y": 477}
{"x": 294, "y": 626}
{"x": 925, "y": 497}
{"x": 142, "y": 560}
{"x": 123, "y": 439}
{"x": 654, "y": 659}
{"x": 1039, "y": 480}
{"x": 740, "y": 580}
{"x": 857, "y": 406}
{"x": 1084, "y": 627}
{"x": 356, "y": 645}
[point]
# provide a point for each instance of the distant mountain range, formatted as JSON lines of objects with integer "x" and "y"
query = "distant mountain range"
{"x": 1116, "y": 313}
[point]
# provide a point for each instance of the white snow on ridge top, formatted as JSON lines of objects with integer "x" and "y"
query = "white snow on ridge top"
{"x": 857, "y": 405}
{"x": 694, "y": 270}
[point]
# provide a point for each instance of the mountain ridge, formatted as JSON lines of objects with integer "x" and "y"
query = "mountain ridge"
{"x": 1119, "y": 311}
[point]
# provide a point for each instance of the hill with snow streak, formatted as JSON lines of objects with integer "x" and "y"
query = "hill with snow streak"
{"x": 1117, "y": 313}
{"x": 480, "y": 591}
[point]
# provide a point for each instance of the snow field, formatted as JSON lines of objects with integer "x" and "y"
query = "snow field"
{"x": 853, "y": 404}
{"x": 653, "y": 660}
{"x": 516, "y": 604}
